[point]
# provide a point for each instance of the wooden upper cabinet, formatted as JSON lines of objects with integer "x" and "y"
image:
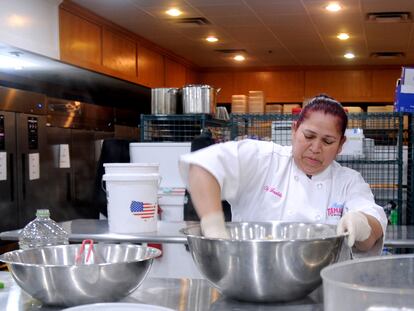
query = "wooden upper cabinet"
{"x": 220, "y": 80}
{"x": 80, "y": 41}
{"x": 175, "y": 74}
{"x": 343, "y": 85}
{"x": 284, "y": 86}
{"x": 383, "y": 84}
{"x": 250, "y": 81}
{"x": 150, "y": 68}
{"x": 357, "y": 85}
{"x": 328, "y": 82}
{"x": 191, "y": 76}
{"x": 278, "y": 86}
{"x": 119, "y": 53}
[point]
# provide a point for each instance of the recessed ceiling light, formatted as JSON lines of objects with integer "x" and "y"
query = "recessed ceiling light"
{"x": 349, "y": 55}
{"x": 174, "y": 12}
{"x": 333, "y": 7}
{"x": 211, "y": 39}
{"x": 343, "y": 36}
{"x": 239, "y": 58}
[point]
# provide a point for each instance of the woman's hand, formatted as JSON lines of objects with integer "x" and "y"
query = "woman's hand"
{"x": 213, "y": 226}
{"x": 363, "y": 230}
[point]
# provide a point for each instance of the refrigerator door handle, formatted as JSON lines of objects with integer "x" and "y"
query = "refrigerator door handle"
{"x": 24, "y": 176}
{"x": 11, "y": 172}
{"x": 68, "y": 188}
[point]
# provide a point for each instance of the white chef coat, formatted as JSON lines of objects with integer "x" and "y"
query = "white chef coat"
{"x": 261, "y": 182}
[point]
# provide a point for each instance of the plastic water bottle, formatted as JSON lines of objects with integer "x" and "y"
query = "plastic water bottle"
{"x": 42, "y": 231}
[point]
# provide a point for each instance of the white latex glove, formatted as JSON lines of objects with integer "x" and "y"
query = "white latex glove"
{"x": 356, "y": 225}
{"x": 213, "y": 226}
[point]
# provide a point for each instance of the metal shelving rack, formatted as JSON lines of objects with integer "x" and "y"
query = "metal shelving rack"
{"x": 381, "y": 164}
{"x": 181, "y": 128}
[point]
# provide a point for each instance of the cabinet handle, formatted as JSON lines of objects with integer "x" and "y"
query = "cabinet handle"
{"x": 68, "y": 188}
{"x": 24, "y": 176}
{"x": 11, "y": 172}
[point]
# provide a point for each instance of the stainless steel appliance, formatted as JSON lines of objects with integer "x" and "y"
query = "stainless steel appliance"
{"x": 78, "y": 128}
{"x": 49, "y": 149}
{"x": 25, "y": 160}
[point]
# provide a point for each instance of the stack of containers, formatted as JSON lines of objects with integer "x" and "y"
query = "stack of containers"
{"x": 239, "y": 104}
{"x": 289, "y": 108}
{"x": 256, "y": 102}
{"x": 132, "y": 195}
{"x": 274, "y": 108}
{"x": 354, "y": 122}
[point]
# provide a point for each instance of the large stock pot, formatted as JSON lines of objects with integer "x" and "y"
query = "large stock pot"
{"x": 164, "y": 100}
{"x": 199, "y": 98}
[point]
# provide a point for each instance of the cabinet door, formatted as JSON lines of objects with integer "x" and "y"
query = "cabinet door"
{"x": 80, "y": 41}
{"x": 222, "y": 80}
{"x": 250, "y": 81}
{"x": 175, "y": 74}
{"x": 284, "y": 86}
{"x": 383, "y": 84}
{"x": 191, "y": 77}
{"x": 119, "y": 53}
{"x": 343, "y": 85}
{"x": 323, "y": 81}
{"x": 150, "y": 68}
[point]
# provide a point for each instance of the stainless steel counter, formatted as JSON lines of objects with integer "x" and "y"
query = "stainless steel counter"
{"x": 80, "y": 229}
{"x": 177, "y": 294}
{"x": 169, "y": 232}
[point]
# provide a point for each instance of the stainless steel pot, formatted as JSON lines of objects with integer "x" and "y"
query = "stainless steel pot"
{"x": 199, "y": 98}
{"x": 164, "y": 100}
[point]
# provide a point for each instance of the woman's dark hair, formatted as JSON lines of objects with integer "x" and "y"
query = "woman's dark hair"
{"x": 327, "y": 105}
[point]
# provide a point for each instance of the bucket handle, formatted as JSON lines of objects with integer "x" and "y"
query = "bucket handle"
{"x": 104, "y": 189}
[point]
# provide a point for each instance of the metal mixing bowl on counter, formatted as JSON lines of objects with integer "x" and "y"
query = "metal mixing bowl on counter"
{"x": 370, "y": 284}
{"x": 55, "y": 276}
{"x": 265, "y": 261}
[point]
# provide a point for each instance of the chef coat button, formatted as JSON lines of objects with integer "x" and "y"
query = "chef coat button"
{"x": 290, "y": 212}
{"x": 296, "y": 178}
{"x": 318, "y": 217}
{"x": 319, "y": 186}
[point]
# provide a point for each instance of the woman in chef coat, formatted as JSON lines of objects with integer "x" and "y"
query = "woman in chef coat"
{"x": 264, "y": 181}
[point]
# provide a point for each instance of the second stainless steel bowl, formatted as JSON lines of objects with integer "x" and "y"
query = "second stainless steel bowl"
{"x": 266, "y": 261}
{"x": 51, "y": 275}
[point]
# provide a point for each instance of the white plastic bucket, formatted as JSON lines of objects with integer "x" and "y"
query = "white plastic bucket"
{"x": 131, "y": 168}
{"x": 132, "y": 202}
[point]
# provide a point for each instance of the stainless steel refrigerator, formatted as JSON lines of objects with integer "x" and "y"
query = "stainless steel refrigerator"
{"x": 25, "y": 159}
{"x": 77, "y": 129}
{"x": 49, "y": 151}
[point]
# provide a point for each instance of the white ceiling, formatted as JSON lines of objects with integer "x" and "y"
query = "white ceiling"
{"x": 273, "y": 32}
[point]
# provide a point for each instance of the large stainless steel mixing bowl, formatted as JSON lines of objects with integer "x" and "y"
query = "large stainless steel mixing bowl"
{"x": 265, "y": 261}
{"x": 51, "y": 275}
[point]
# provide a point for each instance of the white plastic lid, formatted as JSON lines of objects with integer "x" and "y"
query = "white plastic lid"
{"x": 129, "y": 164}
{"x": 130, "y": 177}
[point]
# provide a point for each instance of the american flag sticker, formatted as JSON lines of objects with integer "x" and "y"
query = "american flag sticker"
{"x": 143, "y": 210}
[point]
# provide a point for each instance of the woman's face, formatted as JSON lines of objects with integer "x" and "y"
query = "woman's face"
{"x": 316, "y": 142}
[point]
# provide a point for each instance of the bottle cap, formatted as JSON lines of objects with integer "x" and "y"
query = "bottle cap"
{"x": 42, "y": 213}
